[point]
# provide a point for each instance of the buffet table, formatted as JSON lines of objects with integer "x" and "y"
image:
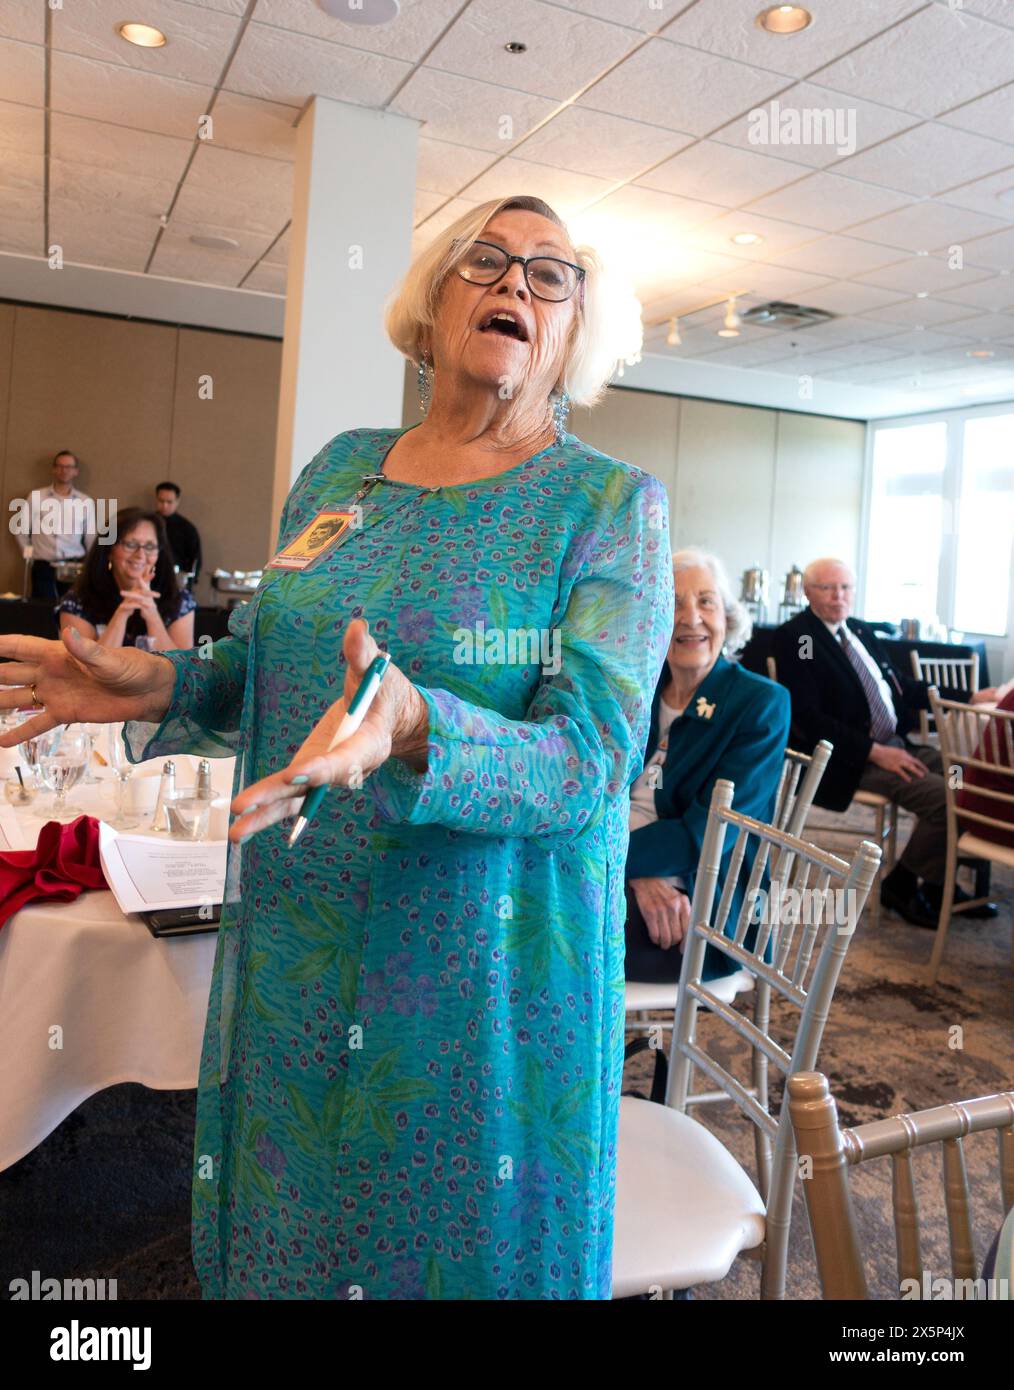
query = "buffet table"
{"x": 89, "y": 998}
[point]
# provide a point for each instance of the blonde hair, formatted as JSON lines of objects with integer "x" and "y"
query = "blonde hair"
{"x": 593, "y": 350}
{"x": 738, "y": 623}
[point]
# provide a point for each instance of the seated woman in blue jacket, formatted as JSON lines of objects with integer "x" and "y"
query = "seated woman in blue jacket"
{"x": 710, "y": 719}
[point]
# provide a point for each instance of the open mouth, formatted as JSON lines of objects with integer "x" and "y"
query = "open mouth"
{"x": 502, "y": 321}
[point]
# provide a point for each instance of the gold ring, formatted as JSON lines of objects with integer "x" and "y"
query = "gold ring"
{"x": 35, "y": 697}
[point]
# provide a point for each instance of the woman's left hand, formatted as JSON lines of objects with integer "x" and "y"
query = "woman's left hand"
{"x": 397, "y": 725}
{"x": 145, "y": 601}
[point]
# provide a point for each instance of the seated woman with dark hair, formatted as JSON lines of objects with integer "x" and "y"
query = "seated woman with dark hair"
{"x": 711, "y": 719}
{"x": 127, "y": 595}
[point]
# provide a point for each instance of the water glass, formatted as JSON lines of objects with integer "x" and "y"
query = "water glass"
{"x": 63, "y": 757}
{"x": 122, "y": 768}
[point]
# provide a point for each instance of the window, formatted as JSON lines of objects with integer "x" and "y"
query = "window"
{"x": 985, "y": 526}
{"x": 906, "y": 522}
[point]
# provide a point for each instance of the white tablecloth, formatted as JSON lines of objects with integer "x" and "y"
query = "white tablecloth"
{"x": 129, "y": 1007}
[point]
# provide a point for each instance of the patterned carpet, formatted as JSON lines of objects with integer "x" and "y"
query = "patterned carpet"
{"x": 107, "y": 1195}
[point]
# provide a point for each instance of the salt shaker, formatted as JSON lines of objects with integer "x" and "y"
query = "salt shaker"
{"x": 166, "y": 792}
{"x": 204, "y": 791}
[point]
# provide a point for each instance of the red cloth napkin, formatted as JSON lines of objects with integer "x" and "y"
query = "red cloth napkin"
{"x": 61, "y": 866}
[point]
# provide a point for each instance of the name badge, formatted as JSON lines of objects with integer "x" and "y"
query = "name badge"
{"x": 315, "y": 540}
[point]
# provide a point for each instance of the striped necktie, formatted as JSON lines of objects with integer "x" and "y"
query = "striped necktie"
{"x": 882, "y": 718}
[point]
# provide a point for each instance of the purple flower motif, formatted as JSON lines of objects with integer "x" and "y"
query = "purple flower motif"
{"x": 581, "y": 549}
{"x": 397, "y": 963}
{"x": 375, "y": 995}
{"x": 467, "y": 604}
{"x": 532, "y": 1185}
{"x": 270, "y": 1156}
{"x": 414, "y": 627}
{"x": 409, "y": 995}
{"x": 407, "y": 1279}
{"x": 271, "y": 686}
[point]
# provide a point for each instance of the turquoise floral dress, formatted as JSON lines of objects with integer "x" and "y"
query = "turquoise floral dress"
{"x": 411, "y": 1069}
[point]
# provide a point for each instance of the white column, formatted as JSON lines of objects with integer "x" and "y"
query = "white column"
{"x": 351, "y": 239}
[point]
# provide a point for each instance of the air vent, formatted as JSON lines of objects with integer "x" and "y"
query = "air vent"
{"x": 778, "y": 314}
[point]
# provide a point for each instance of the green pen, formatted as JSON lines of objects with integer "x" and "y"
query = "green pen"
{"x": 351, "y": 720}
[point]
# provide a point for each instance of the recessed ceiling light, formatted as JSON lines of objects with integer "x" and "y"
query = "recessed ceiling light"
{"x": 215, "y": 243}
{"x": 923, "y": 294}
{"x": 366, "y": 12}
{"x": 785, "y": 19}
{"x": 144, "y": 35}
{"x": 746, "y": 238}
{"x": 979, "y": 352}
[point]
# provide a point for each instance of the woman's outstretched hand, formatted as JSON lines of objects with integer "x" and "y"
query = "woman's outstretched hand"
{"x": 80, "y": 681}
{"x": 396, "y": 726}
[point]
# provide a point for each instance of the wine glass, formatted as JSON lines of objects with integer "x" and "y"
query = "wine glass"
{"x": 32, "y": 749}
{"x": 122, "y": 768}
{"x": 62, "y": 761}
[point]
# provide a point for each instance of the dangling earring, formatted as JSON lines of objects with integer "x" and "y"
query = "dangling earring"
{"x": 561, "y": 406}
{"x": 424, "y": 377}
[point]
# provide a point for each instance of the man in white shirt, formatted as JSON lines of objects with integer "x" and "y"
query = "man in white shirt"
{"x": 62, "y": 522}
{"x": 845, "y": 689}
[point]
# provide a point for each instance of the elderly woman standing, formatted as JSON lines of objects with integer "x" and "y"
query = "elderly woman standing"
{"x": 411, "y": 1072}
{"x": 710, "y": 719}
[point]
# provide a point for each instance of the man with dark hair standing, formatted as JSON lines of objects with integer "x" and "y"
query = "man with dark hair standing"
{"x": 62, "y": 526}
{"x": 184, "y": 538}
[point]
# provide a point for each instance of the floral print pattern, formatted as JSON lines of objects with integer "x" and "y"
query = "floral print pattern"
{"x": 411, "y": 1070}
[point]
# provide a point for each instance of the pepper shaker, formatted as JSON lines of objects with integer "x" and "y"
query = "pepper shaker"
{"x": 204, "y": 788}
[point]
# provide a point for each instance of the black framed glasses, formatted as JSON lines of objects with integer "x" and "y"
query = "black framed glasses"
{"x": 132, "y": 547}
{"x": 547, "y": 277}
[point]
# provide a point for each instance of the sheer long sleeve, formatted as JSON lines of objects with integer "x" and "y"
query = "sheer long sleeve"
{"x": 582, "y": 742}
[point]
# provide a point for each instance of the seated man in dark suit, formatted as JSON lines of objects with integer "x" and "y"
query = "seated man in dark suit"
{"x": 845, "y": 689}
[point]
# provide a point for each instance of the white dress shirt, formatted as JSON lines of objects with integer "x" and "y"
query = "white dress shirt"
{"x": 642, "y": 793}
{"x": 886, "y": 693}
{"x": 66, "y": 525}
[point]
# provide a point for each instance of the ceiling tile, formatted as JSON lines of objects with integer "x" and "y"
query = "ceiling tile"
{"x": 178, "y": 258}
{"x": 425, "y": 204}
{"x": 199, "y": 39}
{"x": 114, "y": 192}
{"x": 418, "y": 25}
{"x": 592, "y": 142}
{"x": 838, "y": 255}
{"x": 91, "y": 237}
{"x": 680, "y": 88}
{"x": 730, "y": 29}
{"x": 647, "y": 210}
{"x": 913, "y": 313}
{"x": 126, "y": 96}
{"x": 990, "y": 115}
{"x": 835, "y": 122}
{"x": 913, "y": 274}
{"x": 928, "y": 63}
{"x": 470, "y": 113}
{"x": 722, "y": 174}
{"x": 916, "y": 341}
{"x": 22, "y": 129}
{"x": 779, "y": 239}
{"x": 278, "y": 252}
{"x": 850, "y": 297}
{"x": 829, "y": 202}
{"x": 442, "y": 219}
{"x": 24, "y": 21}
{"x": 566, "y": 49}
{"x": 995, "y": 293}
{"x": 24, "y": 68}
{"x": 21, "y": 224}
{"x": 926, "y": 226}
{"x": 767, "y": 281}
{"x": 116, "y": 147}
{"x": 233, "y": 7}
{"x": 928, "y": 160}
{"x": 985, "y": 327}
{"x": 636, "y": 14}
{"x": 993, "y": 195}
{"x": 254, "y": 126}
{"x": 250, "y": 246}
{"x": 267, "y": 279}
{"x": 26, "y": 172}
{"x": 291, "y": 68}
{"x": 998, "y": 10}
{"x": 230, "y": 189}
{"x": 564, "y": 190}
{"x": 445, "y": 169}
{"x": 995, "y": 251}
